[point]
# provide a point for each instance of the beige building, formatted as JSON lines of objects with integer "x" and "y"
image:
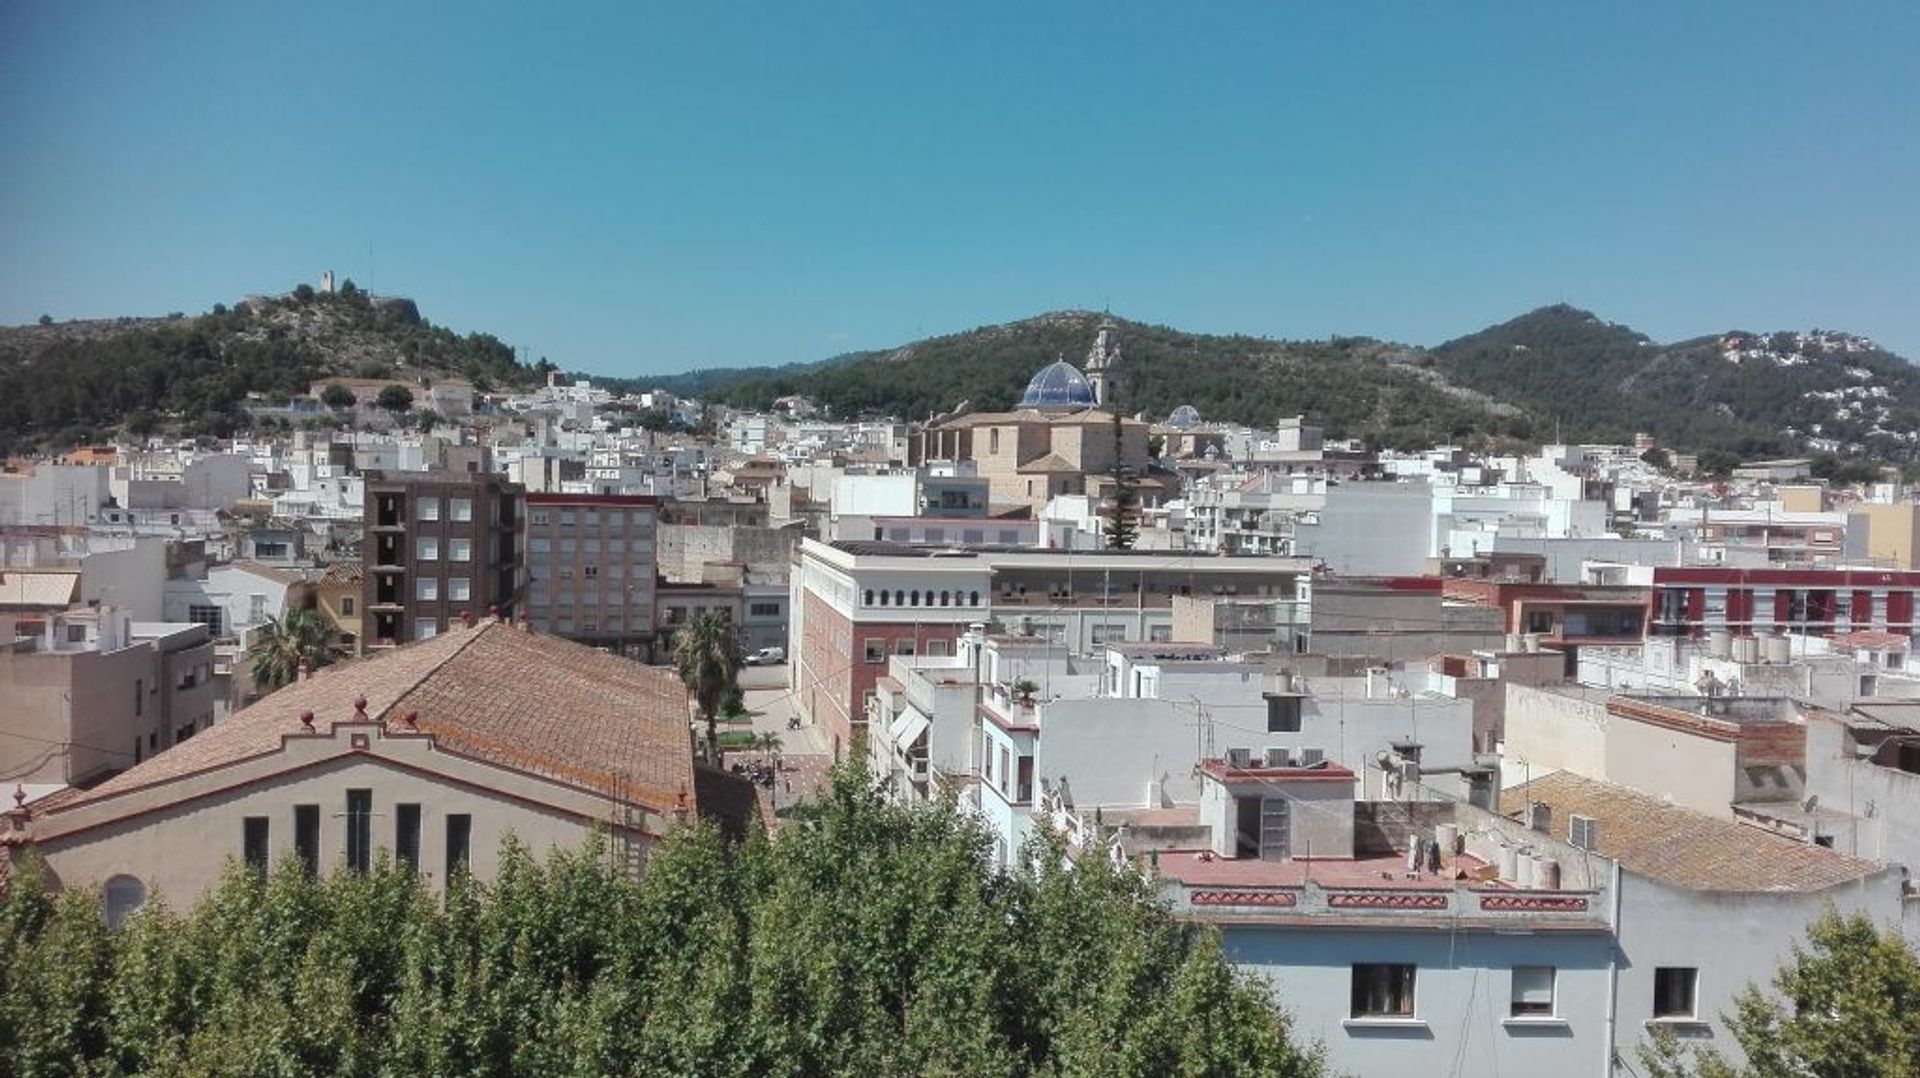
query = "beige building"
{"x": 1892, "y": 533}
{"x": 89, "y": 691}
{"x": 432, "y": 752}
{"x": 1058, "y": 440}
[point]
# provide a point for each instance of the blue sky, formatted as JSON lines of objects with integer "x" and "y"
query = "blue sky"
{"x": 631, "y": 188}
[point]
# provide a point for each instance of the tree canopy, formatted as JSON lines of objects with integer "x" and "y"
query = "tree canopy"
{"x": 865, "y": 940}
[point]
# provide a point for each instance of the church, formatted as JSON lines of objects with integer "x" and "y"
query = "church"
{"x": 1058, "y": 440}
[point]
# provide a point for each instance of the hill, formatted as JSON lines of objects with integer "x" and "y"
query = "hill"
{"x": 1357, "y": 386}
{"x": 1738, "y": 392}
{"x": 1554, "y": 372}
{"x": 70, "y": 382}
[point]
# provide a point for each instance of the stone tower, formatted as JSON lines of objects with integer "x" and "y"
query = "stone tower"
{"x": 1103, "y": 366}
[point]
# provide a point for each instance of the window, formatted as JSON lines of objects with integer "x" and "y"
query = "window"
{"x": 460, "y": 509}
{"x": 1532, "y": 992}
{"x": 76, "y": 634}
{"x": 903, "y": 647}
{"x": 1283, "y": 714}
{"x": 346, "y": 606}
{"x": 124, "y": 897}
{"x": 876, "y": 649}
{"x": 1106, "y": 633}
{"x": 869, "y": 601}
{"x": 764, "y": 610}
{"x": 139, "y": 696}
{"x": 541, "y": 516}
{"x": 459, "y": 589}
{"x": 975, "y": 601}
{"x": 1382, "y": 990}
{"x": 1673, "y": 991}
{"x": 359, "y": 829}
{"x": 938, "y": 647}
{"x": 590, "y": 572}
{"x": 460, "y": 550}
{"x": 426, "y": 629}
{"x": 459, "y": 843}
{"x": 427, "y": 509}
{"x": 426, "y": 588}
{"x": 566, "y": 518}
{"x": 1539, "y": 621}
{"x": 306, "y": 837}
{"x": 183, "y": 733}
{"x": 899, "y": 597}
{"x": 257, "y": 608}
{"x": 406, "y": 835}
{"x": 427, "y": 550}
{"x": 946, "y": 598}
{"x": 206, "y": 615}
{"x": 253, "y": 843}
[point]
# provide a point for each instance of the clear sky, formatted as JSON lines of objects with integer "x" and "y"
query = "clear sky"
{"x": 637, "y": 188}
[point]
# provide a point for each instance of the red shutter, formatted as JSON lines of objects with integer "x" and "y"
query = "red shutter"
{"x": 1739, "y": 607}
{"x": 1899, "y": 611}
{"x": 1782, "y": 605}
{"x": 1862, "y": 609}
{"x": 1696, "y": 609}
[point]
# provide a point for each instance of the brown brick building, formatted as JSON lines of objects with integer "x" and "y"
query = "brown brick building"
{"x": 437, "y": 546}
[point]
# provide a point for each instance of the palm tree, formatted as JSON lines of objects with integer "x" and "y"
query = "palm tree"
{"x": 769, "y": 744}
{"x": 279, "y": 649}
{"x": 707, "y": 652}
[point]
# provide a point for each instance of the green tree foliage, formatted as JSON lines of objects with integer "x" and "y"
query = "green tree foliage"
{"x": 706, "y": 651}
{"x": 283, "y": 644}
{"x": 1844, "y": 1006}
{"x": 196, "y": 371}
{"x": 1123, "y": 526}
{"x": 866, "y": 940}
{"x": 338, "y": 397}
{"x": 395, "y": 398}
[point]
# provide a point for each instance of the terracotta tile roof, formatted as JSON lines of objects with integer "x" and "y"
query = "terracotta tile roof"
{"x": 343, "y": 573}
{"x": 495, "y": 693}
{"x": 1684, "y": 848}
{"x": 1873, "y": 639}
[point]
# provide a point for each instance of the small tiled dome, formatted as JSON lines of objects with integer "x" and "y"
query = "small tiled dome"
{"x": 1058, "y": 385}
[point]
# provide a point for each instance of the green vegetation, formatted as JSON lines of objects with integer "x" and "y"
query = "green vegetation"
{"x": 1356, "y": 387}
{"x": 395, "y": 399}
{"x": 706, "y": 652}
{"x": 1843, "y": 1007}
{"x": 76, "y": 382}
{"x": 866, "y": 940}
{"x": 283, "y": 644}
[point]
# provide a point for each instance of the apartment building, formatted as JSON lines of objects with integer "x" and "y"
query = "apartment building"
{"x": 1696, "y": 601}
{"x": 438, "y": 545}
{"x": 89, "y": 691}
{"x": 591, "y": 568}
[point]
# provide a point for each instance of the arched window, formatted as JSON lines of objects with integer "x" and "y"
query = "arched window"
{"x": 974, "y": 600}
{"x": 915, "y": 598}
{"x": 899, "y": 597}
{"x": 944, "y": 597}
{"x": 869, "y": 596}
{"x": 883, "y": 597}
{"x": 124, "y": 896}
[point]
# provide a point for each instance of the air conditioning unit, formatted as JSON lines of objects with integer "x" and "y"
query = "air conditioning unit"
{"x": 1277, "y": 757}
{"x": 1583, "y": 831}
{"x": 1241, "y": 758}
{"x": 1312, "y": 757}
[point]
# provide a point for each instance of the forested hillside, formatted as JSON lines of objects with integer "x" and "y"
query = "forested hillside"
{"x": 70, "y": 382}
{"x": 1555, "y": 372}
{"x": 1356, "y": 386}
{"x": 1737, "y": 392}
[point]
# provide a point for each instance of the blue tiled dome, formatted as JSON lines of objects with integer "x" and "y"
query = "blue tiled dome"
{"x": 1058, "y": 385}
{"x": 1184, "y": 416}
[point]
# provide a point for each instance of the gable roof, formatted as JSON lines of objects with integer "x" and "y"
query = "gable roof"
{"x": 1684, "y": 848}
{"x": 493, "y": 693}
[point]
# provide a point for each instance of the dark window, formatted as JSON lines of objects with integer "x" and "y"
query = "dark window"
{"x": 459, "y": 842}
{"x": 306, "y": 837}
{"x": 1283, "y": 714}
{"x": 1540, "y": 621}
{"x": 1382, "y": 990}
{"x": 139, "y": 696}
{"x": 406, "y": 835}
{"x": 1673, "y": 991}
{"x": 359, "y": 829}
{"x": 253, "y": 843}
